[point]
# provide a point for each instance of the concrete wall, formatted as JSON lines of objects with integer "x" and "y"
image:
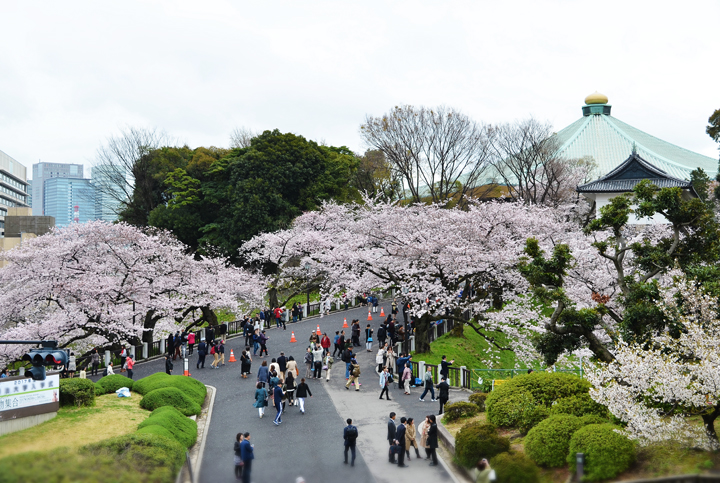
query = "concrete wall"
{"x": 39, "y": 225}
{"x": 19, "y": 424}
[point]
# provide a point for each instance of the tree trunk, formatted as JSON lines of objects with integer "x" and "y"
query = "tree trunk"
{"x": 709, "y": 422}
{"x": 458, "y": 328}
{"x": 272, "y": 298}
{"x": 149, "y": 327}
{"x": 422, "y": 330}
{"x": 209, "y": 315}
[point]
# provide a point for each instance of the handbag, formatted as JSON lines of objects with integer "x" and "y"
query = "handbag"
{"x": 370, "y": 339}
{"x": 266, "y": 403}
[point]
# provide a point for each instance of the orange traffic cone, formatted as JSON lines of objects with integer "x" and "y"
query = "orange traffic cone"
{"x": 318, "y": 330}
{"x": 232, "y": 357}
{"x": 345, "y": 326}
{"x": 292, "y": 337}
{"x": 382, "y": 312}
{"x": 369, "y": 315}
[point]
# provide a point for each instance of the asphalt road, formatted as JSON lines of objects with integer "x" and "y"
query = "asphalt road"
{"x": 308, "y": 445}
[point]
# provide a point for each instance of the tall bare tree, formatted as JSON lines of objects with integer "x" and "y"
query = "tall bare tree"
{"x": 240, "y": 137}
{"x": 526, "y": 158}
{"x": 440, "y": 154}
{"x": 376, "y": 177}
{"x": 119, "y": 164}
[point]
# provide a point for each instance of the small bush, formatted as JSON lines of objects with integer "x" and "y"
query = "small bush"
{"x": 77, "y": 392}
{"x": 509, "y": 411}
{"x": 578, "y": 405}
{"x": 193, "y": 388}
{"x": 476, "y": 441}
{"x": 460, "y": 409}
{"x": 182, "y": 429}
{"x": 547, "y": 443}
{"x": 157, "y": 429}
{"x": 543, "y": 389}
{"x": 515, "y": 468}
{"x": 478, "y": 399}
{"x": 110, "y": 384}
{"x": 592, "y": 419}
{"x": 607, "y": 453}
{"x": 532, "y": 416}
{"x": 170, "y": 396}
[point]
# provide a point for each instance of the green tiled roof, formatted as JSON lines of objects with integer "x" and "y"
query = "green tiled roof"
{"x": 610, "y": 141}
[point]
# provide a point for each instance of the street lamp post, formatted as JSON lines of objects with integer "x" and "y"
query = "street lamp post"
{"x": 406, "y": 336}
{"x": 307, "y": 281}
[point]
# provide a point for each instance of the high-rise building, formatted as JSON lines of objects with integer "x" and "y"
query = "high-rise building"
{"x": 45, "y": 171}
{"x": 13, "y": 186}
{"x": 69, "y": 200}
{"x": 109, "y": 182}
{"x": 29, "y": 193}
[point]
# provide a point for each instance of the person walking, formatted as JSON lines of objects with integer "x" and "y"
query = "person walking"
{"x": 385, "y": 381}
{"x": 290, "y": 388}
{"x": 129, "y": 363}
{"x": 292, "y": 366}
{"x": 317, "y": 362}
{"x": 245, "y": 364}
{"x": 380, "y": 358}
{"x": 72, "y": 365}
{"x": 336, "y": 346}
{"x": 256, "y": 341}
{"x": 410, "y": 441}
{"x": 423, "y": 429}
{"x": 95, "y": 362}
{"x": 443, "y": 394}
{"x": 308, "y": 362}
{"x": 428, "y": 383}
{"x": 328, "y": 365}
{"x": 170, "y": 344}
{"x": 368, "y": 338}
{"x": 214, "y": 353}
{"x": 261, "y": 397}
{"x": 282, "y": 364}
{"x": 221, "y": 349}
{"x": 356, "y": 333}
{"x": 350, "y": 434}
{"x": 432, "y": 439}
{"x": 392, "y": 430}
{"x": 177, "y": 344}
{"x": 123, "y": 357}
{"x": 325, "y": 343}
{"x": 246, "y": 453}
{"x": 302, "y": 392}
{"x": 277, "y": 399}
{"x": 354, "y": 375}
{"x": 202, "y": 352}
{"x": 238, "y": 456}
{"x": 341, "y": 343}
{"x": 168, "y": 365}
{"x": 382, "y": 334}
{"x": 390, "y": 360}
{"x": 347, "y": 356}
{"x": 400, "y": 441}
{"x": 263, "y": 374}
{"x": 263, "y": 343}
{"x": 406, "y": 377}
{"x": 191, "y": 341}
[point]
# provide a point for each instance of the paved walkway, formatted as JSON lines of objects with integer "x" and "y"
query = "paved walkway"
{"x": 309, "y": 445}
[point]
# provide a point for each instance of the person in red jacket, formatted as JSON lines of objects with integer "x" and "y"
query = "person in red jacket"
{"x": 325, "y": 343}
{"x": 278, "y": 318}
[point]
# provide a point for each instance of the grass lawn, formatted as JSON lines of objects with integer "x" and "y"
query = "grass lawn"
{"x": 74, "y": 427}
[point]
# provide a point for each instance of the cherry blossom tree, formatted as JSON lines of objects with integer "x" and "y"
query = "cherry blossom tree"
{"x": 656, "y": 387}
{"x": 99, "y": 284}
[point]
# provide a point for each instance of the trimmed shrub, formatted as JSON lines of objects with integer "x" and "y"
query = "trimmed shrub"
{"x": 110, "y": 384}
{"x": 607, "y": 453}
{"x": 592, "y": 419}
{"x": 508, "y": 412}
{"x": 478, "y": 399}
{"x": 77, "y": 392}
{"x": 531, "y": 417}
{"x": 579, "y": 405}
{"x": 170, "y": 396}
{"x": 182, "y": 429}
{"x": 476, "y": 441}
{"x": 515, "y": 468}
{"x": 460, "y": 409}
{"x": 547, "y": 443}
{"x": 157, "y": 429}
{"x": 543, "y": 387}
{"x": 193, "y": 388}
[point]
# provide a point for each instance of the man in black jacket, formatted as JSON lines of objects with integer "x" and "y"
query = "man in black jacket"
{"x": 444, "y": 364}
{"x": 350, "y": 434}
{"x": 444, "y": 394}
{"x": 168, "y": 365}
{"x": 432, "y": 440}
{"x": 400, "y": 441}
{"x": 282, "y": 364}
{"x": 391, "y": 434}
{"x": 202, "y": 352}
{"x": 170, "y": 344}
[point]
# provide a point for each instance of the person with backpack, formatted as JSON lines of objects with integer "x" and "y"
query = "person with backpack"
{"x": 350, "y": 435}
{"x": 385, "y": 380}
{"x": 202, "y": 352}
{"x": 354, "y": 375}
{"x": 428, "y": 383}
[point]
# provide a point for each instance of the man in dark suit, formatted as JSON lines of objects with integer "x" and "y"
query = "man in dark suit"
{"x": 282, "y": 363}
{"x": 400, "y": 441}
{"x": 202, "y": 352}
{"x": 444, "y": 364}
{"x": 246, "y": 454}
{"x": 391, "y": 434}
{"x": 350, "y": 434}
{"x": 444, "y": 394}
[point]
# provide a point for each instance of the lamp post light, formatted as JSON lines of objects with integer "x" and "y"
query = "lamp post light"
{"x": 406, "y": 336}
{"x": 307, "y": 281}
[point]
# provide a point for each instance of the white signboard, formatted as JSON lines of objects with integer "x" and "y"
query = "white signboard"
{"x": 24, "y": 393}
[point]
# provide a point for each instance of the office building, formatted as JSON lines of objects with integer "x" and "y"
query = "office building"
{"x": 45, "y": 171}
{"x": 109, "y": 182}
{"x": 13, "y": 186}
{"x": 20, "y": 226}
{"x": 69, "y": 200}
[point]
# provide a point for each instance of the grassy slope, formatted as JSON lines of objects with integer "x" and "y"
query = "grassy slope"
{"x": 74, "y": 427}
{"x": 471, "y": 351}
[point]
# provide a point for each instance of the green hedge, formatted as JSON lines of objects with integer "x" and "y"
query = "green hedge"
{"x": 547, "y": 443}
{"x": 579, "y": 405}
{"x": 531, "y": 417}
{"x": 475, "y": 441}
{"x": 478, "y": 398}
{"x": 157, "y": 429}
{"x": 515, "y": 468}
{"x": 193, "y": 388}
{"x": 170, "y": 396}
{"x": 592, "y": 419}
{"x": 135, "y": 457}
{"x": 607, "y": 453}
{"x": 110, "y": 384}
{"x": 458, "y": 410}
{"x": 182, "y": 429}
{"x": 77, "y": 392}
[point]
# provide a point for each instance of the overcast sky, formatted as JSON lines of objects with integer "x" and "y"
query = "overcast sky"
{"x": 74, "y": 73}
